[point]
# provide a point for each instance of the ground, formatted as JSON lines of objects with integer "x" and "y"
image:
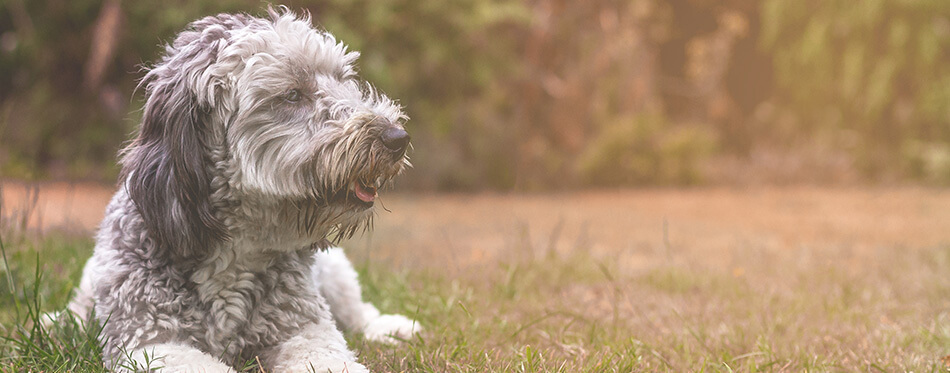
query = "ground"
{"x": 758, "y": 278}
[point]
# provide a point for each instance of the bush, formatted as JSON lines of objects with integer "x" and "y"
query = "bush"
{"x": 512, "y": 94}
{"x": 645, "y": 149}
{"x": 872, "y": 68}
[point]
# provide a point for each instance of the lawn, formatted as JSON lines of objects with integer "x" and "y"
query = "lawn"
{"x": 784, "y": 281}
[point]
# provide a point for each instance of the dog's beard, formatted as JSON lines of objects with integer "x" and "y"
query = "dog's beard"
{"x": 341, "y": 210}
{"x": 321, "y": 202}
{"x": 346, "y": 201}
{"x": 333, "y": 219}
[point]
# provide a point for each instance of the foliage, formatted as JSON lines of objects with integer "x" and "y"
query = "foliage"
{"x": 876, "y": 70}
{"x": 645, "y": 150}
{"x": 51, "y": 121}
{"x": 524, "y": 93}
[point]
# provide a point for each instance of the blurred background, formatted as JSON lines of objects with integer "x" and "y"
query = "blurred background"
{"x": 534, "y": 95}
{"x": 817, "y": 130}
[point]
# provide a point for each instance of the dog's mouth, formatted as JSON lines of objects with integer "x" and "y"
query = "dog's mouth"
{"x": 358, "y": 194}
{"x": 359, "y": 189}
{"x": 362, "y": 191}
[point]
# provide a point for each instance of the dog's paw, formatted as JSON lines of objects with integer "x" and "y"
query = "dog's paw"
{"x": 324, "y": 366}
{"x": 391, "y": 329}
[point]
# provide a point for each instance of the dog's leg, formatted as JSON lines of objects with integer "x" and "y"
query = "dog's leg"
{"x": 82, "y": 302}
{"x": 319, "y": 347}
{"x": 338, "y": 282}
{"x": 172, "y": 357}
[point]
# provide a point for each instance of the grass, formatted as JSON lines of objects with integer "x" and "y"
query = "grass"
{"x": 29, "y": 286}
{"x": 580, "y": 312}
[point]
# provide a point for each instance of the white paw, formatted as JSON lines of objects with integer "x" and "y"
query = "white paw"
{"x": 173, "y": 357}
{"x": 330, "y": 366}
{"x": 385, "y": 327}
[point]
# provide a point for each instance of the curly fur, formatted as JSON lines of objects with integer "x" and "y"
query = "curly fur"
{"x": 214, "y": 250}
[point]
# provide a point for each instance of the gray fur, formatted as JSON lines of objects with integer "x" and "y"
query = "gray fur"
{"x": 253, "y": 135}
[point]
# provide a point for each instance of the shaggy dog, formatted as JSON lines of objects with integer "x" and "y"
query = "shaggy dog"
{"x": 259, "y": 146}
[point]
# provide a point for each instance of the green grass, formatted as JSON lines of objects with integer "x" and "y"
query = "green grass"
{"x": 30, "y": 285}
{"x": 578, "y": 313}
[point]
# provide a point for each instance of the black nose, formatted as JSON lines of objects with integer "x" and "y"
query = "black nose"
{"x": 396, "y": 140}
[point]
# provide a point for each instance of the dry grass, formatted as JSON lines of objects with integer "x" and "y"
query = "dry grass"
{"x": 763, "y": 279}
{"x": 698, "y": 280}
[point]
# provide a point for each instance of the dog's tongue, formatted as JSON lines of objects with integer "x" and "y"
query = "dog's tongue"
{"x": 365, "y": 194}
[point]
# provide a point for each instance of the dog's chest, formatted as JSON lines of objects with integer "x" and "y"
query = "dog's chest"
{"x": 249, "y": 310}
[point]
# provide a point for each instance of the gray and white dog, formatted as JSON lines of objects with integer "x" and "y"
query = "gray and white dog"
{"x": 259, "y": 146}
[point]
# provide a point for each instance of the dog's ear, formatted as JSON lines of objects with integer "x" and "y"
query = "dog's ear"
{"x": 166, "y": 168}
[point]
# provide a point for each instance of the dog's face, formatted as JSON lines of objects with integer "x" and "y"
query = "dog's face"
{"x": 299, "y": 123}
{"x": 276, "y": 109}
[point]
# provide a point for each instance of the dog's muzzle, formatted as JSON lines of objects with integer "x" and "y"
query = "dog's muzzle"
{"x": 396, "y": 140}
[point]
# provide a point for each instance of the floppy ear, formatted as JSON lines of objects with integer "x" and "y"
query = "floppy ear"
{"x": 166, "y": 168}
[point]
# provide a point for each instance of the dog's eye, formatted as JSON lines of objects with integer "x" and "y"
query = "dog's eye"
{"x": 293, "y": 95}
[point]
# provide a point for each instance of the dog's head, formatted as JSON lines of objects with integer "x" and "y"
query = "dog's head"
{"x": 269, "y": 109}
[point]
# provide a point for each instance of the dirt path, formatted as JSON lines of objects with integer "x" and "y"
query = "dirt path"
{"x": 636, "y": 226}
{"x": 76, "y": 207}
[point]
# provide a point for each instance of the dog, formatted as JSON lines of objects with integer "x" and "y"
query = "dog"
{"x": 259, "y": 148}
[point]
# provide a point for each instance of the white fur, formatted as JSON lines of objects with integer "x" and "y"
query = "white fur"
{"x": 317, "y": 347}
{"x": 210, "y": 251}
{"x": 339, "y": 285}
{"x": 173, "y": 357}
